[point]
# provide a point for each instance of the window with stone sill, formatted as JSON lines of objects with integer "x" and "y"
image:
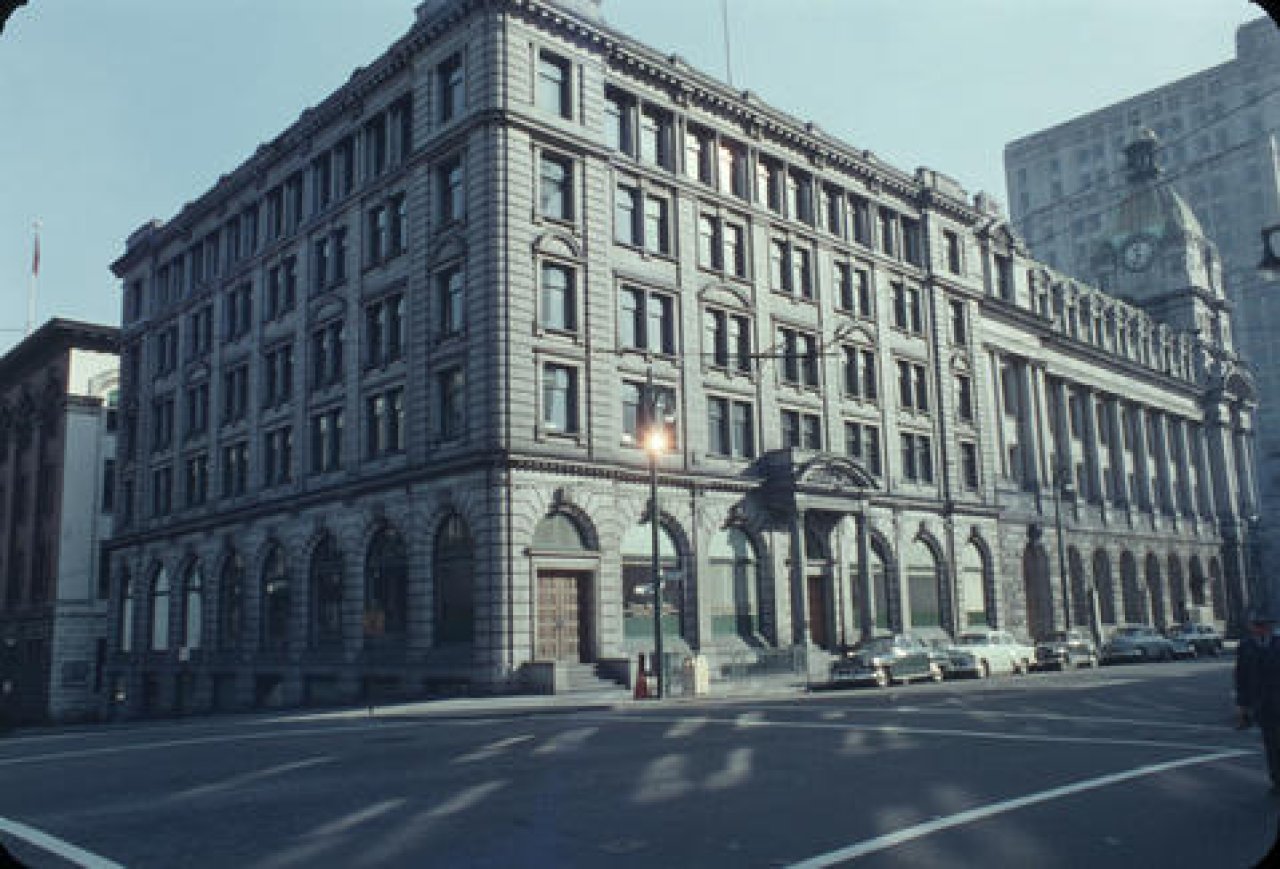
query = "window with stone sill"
{"x": 801, "y": 430}
{"x": 452, "y": 408}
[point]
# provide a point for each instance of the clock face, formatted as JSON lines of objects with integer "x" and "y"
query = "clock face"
{"x": 1138, "y": 254}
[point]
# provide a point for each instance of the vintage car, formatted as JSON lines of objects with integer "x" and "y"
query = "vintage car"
{"x": 1063, "y": 649}
{"x": 950, "y": 660}
{"x": 997, "y": 651}
{"x": 1136, "y": 643}
{"x": 884, "y": 660}
{"x": 1205, "y": 639}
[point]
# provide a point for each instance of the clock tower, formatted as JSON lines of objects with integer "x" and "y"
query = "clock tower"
{"x": 1157, "y": 256}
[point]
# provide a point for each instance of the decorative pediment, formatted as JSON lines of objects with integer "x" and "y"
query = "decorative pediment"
{"x": 717, "y": 293}
{"x": 834, "y": 473}
{"x": 557, "y": 244}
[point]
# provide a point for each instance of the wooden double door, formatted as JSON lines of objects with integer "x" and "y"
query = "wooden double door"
{"x": 564, "y": 617}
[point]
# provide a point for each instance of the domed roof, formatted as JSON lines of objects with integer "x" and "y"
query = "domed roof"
{"x": 1152, "y": 207}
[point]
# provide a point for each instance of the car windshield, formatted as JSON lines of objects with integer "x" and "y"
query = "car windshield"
{"x": 1130, "y": 632}
{"x": 1058, "y": 637}
{"x": 879, "y": 646}
{"x": 973, "y": 639}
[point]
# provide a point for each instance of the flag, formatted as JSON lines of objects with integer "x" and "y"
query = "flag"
{"x": 35, "y": 257}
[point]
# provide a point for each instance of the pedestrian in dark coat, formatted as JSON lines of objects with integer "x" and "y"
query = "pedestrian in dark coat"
{"x": 1258, "y": 688}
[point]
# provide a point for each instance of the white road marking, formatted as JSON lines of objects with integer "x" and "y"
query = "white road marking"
{"x": 248, "y": 778}
{"x": 903, "y": 730}
{"x": 52, "y": 845}
{"x": 898, "y": 837}
{"x": 1054, "y": 716}
{"x": 345, "y": 823}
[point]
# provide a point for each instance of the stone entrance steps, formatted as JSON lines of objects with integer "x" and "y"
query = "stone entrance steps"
{"x": 575, "y": 679}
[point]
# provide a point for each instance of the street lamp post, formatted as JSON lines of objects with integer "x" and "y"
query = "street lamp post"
{"x": 655, "y": 444}
{"x": 1061, "y": 487}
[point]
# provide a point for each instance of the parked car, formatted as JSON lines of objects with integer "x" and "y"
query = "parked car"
{"x": 884, "y": 660}
{"x": 1205, "y": 639}
{"x": 950, "y": 660}
{"x": 1063, "y": 649}
{"x": 1137, "y": 643}
{"x": 997, "y": 651}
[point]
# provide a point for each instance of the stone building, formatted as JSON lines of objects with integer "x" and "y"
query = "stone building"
{"x": 1219, "y": 152}
{"x": 57, "y": 443}
{"x": 385, "y": 389}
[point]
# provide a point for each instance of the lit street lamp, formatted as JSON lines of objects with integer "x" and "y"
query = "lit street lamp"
{"x": 655, "y": 444}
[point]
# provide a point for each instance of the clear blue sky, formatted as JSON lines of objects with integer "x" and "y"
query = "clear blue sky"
{"x": 117, "y": 111}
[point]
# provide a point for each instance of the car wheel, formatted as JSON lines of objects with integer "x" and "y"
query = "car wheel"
{"x": 883, "y": 677}
{"x": 936, "y": 673}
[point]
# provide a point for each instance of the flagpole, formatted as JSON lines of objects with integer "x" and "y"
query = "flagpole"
{"x": 35, "y": 274}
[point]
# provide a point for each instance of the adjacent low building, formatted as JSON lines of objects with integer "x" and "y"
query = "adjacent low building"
{"x": 384, "y": 391}
{"x": 58, "y": 391}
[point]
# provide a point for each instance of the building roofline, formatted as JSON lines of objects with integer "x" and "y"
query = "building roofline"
{"x": 55, "y": 336}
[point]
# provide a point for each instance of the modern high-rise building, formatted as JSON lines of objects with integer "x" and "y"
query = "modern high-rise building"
{"x": 385, "y": 391}
{"x": 58, "y": 392}
{"x": 1218, "y": 134}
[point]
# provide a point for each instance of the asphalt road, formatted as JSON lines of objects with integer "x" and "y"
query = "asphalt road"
{"x": 1124, "y": 766}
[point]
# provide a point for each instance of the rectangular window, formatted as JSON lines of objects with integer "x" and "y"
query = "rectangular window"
{"x": 626, "y": 216}
{"x": 326, "y": 354}
{"x": 917, "y": 459}
{"x": 800, "y": 197}
{"x": 842, "y": 279}
{"x": 656, "y": 132}
{"x": 560, "y": 398}
{"x": 951, "y": 241}
{"x": 769, "y": 184}
{"x": 558, "y": 309}
{"x": 862, "y": 232}
{"x": 277, "y": 456}
{"x": 634, "y": 410}
{"x": 555, "y": 188}
{"x": 450, "y": 298}
{"x": 656, "y": 225}
{"x": 801, "y": 430}
{"x": 384, "y": 331}
{"x": 699, "y": 154}
{"x": 959, "y": 323}
{"x": 293, "y": 202}
{"x": 326, "y": 441}
{"x": 1004, "y": 277}
{"x": 553, "y": 87}
{"x": 709, "y": 247}
{"x": 384, "y": 420}
{"x": 619, "y": 112}
{"x": 728, "y": 340}
{"x": 235, "y": 469}
{"x": 913, "y": 392}
{"x": 197, "y": 480}
{"x": 732, "y": 165}
{"x": 862, "y": 443}
{"x": 799, "y": 357}
{"x": 449, "y": 183}
{"x": 235, "y": 393}
{"x": 321, "y": 182}
{"x": 450, "y": 386}
{"x": 162, "y": 491}
{"x": 449, "y": 77}
{"x": 888, "y": 231}
{"x": 969, "y": 466}
{"x": 964, "y": 398}
{"x": 908, "y": 312}
{"x": 278, "y": 370}
{"x": 912, "y": 244}
{"x": 162, "y": 424}
{"x": 377, "y": 233}
{"x": 196, "y": 400}
{"x": 729, "y": 426}
{"x": 647, "y": 321}
{"x": 735, "y": 257}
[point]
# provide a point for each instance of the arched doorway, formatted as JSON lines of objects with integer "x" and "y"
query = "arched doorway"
{"x": 925, "y": 581}
{"x": 326, "y": 594}
{"x": 385, "y": 591}
{"x": 733, "y": 586}
{"x": 1035, "y": 580}
{"x": 973, "y": 587}
{"x": 819, "y": 588}
{"x": 1105, "y": 586}
{"x": 567, "y": 560}
{"x": 637, "y": 582}
{"x": 453, "y": 567}
{"x": 276, "y": 600}
{"x": 1136, "y": 602}
{"x": 1155, "y": 587}
{"x": 158, "y": 611}
{"x": 231, "y": 603}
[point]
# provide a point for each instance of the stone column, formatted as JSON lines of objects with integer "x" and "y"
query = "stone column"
{"x": 1165, "y": 501}
{"x": 799, "y": 587}
{"x": 1144, "y": 494}
{"x": 1115, "y": 435}
{"x": 1093, "y": 466}
{"x": 866, "y": 616}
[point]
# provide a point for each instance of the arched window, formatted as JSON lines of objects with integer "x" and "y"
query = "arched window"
{"x": 454, "y": 572}
{"x": 1136, "y": 603}
{"x": 637, "y": 582}
{"x": 326, "y": 593}
{"x": 924, "y": 585}
{"x": 126, "y": 612}
{"x": 275, "y": 602}
{"x": 385, "y": 584}
{"x": 886, "y": 608}
{"x": 160, "y": 610}
{"x": 733, "y": 585}
{"x": 973, "y": 585}
{"x": 559, "y": 532}
{"x": 193, "y": 606}
{"x": 231, "y": 609}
